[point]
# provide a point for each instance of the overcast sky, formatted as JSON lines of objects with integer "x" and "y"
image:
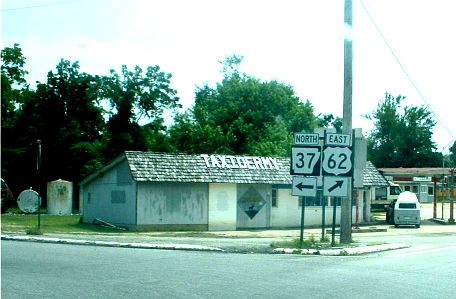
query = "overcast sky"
{"x": 299, "y": 42}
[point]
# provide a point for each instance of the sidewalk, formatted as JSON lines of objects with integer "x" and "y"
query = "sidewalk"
{"x": 241, "y": 241}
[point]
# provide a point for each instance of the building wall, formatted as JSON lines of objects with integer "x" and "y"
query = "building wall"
{"x": 222, "y": 207}
{"x": 111, "y": 197}
{"x": 172, "y": 203}
{"x": 288, "y": 212}
{"x": 421, "y": 189}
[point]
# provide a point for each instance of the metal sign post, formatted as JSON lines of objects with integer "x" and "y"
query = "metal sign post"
{"x": 333, "y": 228}
{"x": 303, "y": 209}
{"x": 305, "y": 167}
{"x": 38, "y": 170}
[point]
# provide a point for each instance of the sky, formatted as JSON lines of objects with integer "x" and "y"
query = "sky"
{"x": 298, "y": 42}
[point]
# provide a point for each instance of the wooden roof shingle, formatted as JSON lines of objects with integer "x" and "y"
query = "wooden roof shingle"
{"x": 184, "y": 168}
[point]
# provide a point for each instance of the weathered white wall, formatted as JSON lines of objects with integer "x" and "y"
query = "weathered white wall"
{"x": 172, "y": 203}
{"x": 111, "y": 197}
{"x": 222, "y": 207}
{"x": 288, "y": 212}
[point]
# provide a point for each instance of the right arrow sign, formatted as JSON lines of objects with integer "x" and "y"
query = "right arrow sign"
{"x": 335, "y": 186}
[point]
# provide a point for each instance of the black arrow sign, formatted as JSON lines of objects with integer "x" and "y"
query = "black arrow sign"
{"x": 337, "y": 185}
{"x": 300, "y": 186}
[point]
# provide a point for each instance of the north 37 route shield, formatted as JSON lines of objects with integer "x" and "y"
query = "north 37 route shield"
{"x": 337, "y": 161}
{"x": 305, "y": 160}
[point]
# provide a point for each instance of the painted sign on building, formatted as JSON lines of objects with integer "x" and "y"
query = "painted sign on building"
{"x": 232, "y": 162}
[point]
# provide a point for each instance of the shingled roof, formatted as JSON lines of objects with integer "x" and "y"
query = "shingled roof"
{"x": 372, "y": 177}
{"x": 160, "y": 167}
{"x": 165, "y": 167}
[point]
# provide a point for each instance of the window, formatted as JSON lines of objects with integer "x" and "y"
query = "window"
{"x": 407, "y": 188}
{"x": 423, "y": 189}
{"x": 395, "y": 190}
{"x": 407, "y": 206}
{"x": 415, "y": 189}
{"x": 430, "y": 190}
{"x": 380, "y": 193}
{"x": 274, "y": 198}
{"x": 117, "y": 196}
{"x": 89, "y": 197}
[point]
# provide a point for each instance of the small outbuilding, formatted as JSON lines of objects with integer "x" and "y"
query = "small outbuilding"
{"x": 146, "y": 190}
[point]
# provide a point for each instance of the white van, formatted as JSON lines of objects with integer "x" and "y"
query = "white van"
{"x": 407, "y": 210}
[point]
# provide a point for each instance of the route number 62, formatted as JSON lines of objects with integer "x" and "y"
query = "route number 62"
{"x": 337, "y": 161}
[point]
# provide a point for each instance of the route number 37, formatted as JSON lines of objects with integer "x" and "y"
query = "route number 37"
{"x": 337, "y": 161}
{"x": 305, "y": 160}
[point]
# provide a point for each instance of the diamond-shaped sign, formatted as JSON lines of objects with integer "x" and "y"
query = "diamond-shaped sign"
{"x": 251, "y": 202}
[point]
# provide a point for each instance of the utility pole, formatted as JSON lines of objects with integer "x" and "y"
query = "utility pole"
{"x": 346, "y": 206}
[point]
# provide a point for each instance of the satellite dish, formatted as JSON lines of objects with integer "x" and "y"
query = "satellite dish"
{"x": 29, "y": 201}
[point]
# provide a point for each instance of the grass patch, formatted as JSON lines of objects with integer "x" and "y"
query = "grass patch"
{"x": 34, "y": 231}
{"x": 310, "y": 243}
{"x": 50, "y": 224}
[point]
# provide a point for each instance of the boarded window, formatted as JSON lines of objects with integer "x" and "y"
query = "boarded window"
{"x": 117, "y": 196}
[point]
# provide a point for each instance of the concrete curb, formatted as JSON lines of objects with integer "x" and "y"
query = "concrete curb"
{"x": 341, "y": 251}
{"x": 111, "y": 244}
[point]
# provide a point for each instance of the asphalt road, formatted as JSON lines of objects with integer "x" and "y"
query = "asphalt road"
{"x": 38, "y": 270}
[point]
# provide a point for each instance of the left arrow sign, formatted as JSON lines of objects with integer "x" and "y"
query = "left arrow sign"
{"x": 304, "y": 186}
{"x": 301, "y": 186}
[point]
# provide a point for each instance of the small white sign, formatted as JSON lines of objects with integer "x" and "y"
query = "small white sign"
{"x": 338, "y": 139}
{"x": 304, "y": 186}
{"x": 335, "y": 186}
{"x": 306, "y": 139}
{"x": 422, "y": 179}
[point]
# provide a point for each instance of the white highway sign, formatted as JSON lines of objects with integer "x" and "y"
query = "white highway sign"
{"x": 337, "y": 161}
{"x": 335, "y": 186}
{"x": 305, "y": 160}
{"x": 304, "y": 186}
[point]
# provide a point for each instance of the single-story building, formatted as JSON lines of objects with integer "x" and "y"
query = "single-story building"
{"x": 146, "y": 190}
{"x": 421, "y": 181}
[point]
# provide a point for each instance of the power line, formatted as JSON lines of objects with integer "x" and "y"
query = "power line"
{"x": 40, "y": 5}
{"x": 414, "y": 84}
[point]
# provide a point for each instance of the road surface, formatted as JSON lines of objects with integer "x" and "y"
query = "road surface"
{"x": 38, "y": 270}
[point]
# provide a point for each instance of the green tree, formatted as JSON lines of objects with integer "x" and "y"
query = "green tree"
{"x": 242, "y": 115}
{"x": 327, "y": 120}
{"x": 401, "y": 140}
{"x": 452, "y": 154}
{"x": 14, "y": 90}
{"x": 64, "y": 114}
{"x": 13, "y": 85}
{"x": 134, "y": 95}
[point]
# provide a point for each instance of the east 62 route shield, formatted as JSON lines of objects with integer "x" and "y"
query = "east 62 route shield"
{"x": 337, "y": 161}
